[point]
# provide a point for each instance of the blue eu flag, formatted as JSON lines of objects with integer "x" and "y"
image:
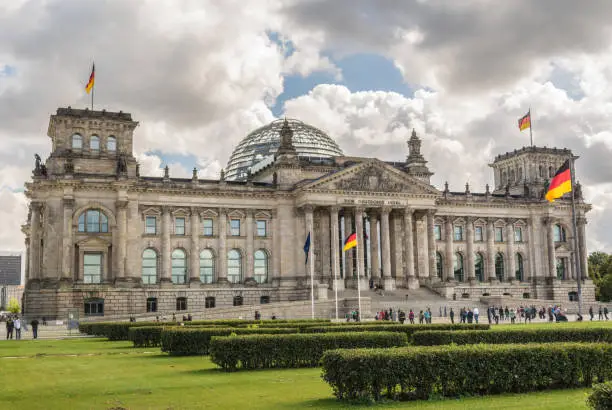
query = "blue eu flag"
{"x": 307, "y": 247}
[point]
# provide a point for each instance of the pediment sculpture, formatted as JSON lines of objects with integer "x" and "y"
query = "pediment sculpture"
{"x": 373, "y": 178}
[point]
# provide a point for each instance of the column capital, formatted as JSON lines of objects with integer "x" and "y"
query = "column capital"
{"x": 334, "y": 209}
{"x": 386, "y": 210}
{"x": 308, "y": 208}
{"x": 222, "y": 211}
{"x": 194, "y": 211}
{"x": 549, "y": 220}
{"x": 409, "y": 211}
{"x": 249, "y": 212}
{"x": 166, "y": 209}
{"x": 469, "y": 219}
{"x": 431, "y": 212}
{"x": 121, "y": 203}
{"x": 581, "y": 221}
{"x": 359, "y": 209}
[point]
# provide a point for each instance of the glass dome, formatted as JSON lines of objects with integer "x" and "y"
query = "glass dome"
{"x": 257, "y": 149}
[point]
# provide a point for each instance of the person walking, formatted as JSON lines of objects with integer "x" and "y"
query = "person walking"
{"x": 476, "y": 314}
{"x": 34, "y": 324}
{"x": 17, "y": 324}
{"x": 600, "y": 314}
{"x": 606, "y": 312}
{"x": 452, "y": 316}
{"x": 591, "y": 312}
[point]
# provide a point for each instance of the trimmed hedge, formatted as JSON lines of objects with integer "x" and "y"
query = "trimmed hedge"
{"x": 145, "y": 336}
{"x": 192, "y": 342}
{"x": 408, "y": 329}
{"x": 601, "y": 397}
{"x": 266, "y": 322}
{"x": 116, "y": 330}
{"x": 291, "y": 351}
{"x": 452, "y": 371}
{"x": 552, "y": 335}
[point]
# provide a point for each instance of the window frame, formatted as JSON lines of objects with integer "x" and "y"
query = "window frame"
{"x": 176, "y": 278}
{"x": 205, "y": 228}
{"x": 439, "y": 265}
{"x": 231, "y": 277}
{"x": 210, "y": 302}
{"x": 458, "y": 270}
{"x": 143, "y": 267}
{"x": 261, "y": 278}
{"x": 238, "y": 300}
{"x": 457, "y": 233}
{"x": 437, "y": 232}
{"x": 500, "y": 267}
{"x": 233, "y": 228}
{"x": 203, "y": 268}
{"x": 147, "y": 226}
{"x": 89, "y": 303}
{"x": 86, "y": 275}
{"x": 480, "y": 277}
{"x": 181, "y": 304}
{"x": 478, "y": 234}
{"x": 76, "y": 137}
{"x": 91, "y": 143}
{"x": 259, "y": 229}
{"x": 499, "y": 234}
{"x": 111, "y": 143}
{"x": 180, "y": 229}
{"x": 519, "y": 265}
{"x": 518, "y": 234}
{"x": 84, "y": 223}
{"x": 151, "y": 305}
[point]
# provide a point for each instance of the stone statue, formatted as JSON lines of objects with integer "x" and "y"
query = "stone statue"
{"x": 578, "y": 191}
{"x": 68, "y": 166}
{"x": 166, "y": 172}
{"x": 194, "y": 175}
{"x": 222, "y": 178}
{"x": 137, "y": 170}
{"x": 121, "y": 165}
{"x": 37, "y": 161}
{"x": 275, "y": 179}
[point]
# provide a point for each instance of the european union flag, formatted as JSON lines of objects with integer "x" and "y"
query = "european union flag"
{"x": 307, "y": 247}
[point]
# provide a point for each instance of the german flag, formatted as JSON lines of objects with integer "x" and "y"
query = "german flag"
{"x": 350, "y": 242}
{"x": 561, "y": 183}
{"x": 92, "y": 79}
{"x": 525, "y": 121}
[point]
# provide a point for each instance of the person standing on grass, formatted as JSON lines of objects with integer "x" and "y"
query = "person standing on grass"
{"x": 427, "y": 316}
{"x": 512, "y": 316}
{"x": 17, "y": 328}
{"x": 411, "y": 317}
{"x": 9, "y": 328}
{"x": 34, "y": 324}
{"x": 476, "y": 314}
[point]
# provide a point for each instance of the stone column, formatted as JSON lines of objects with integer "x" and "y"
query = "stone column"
{"x": 194, "y": 264}
{"x": 431, "y": 245}
{"x": 166, "y": 273}
{"x": 388, "y": 282}
{"x": 120, "y": 254}
{"x": 348, "y": 255}
{"x": 375, "y": 261}
{"x": 222, "y": 251}
{"x": 250, "y": 250}
{"x": 412, "y": 282}
{"x": 583, "y": 255}
{"x": 36, "y": 208}
{"x": 449, "y": 272}
{"x": 552, "y": 259}
{"x": 397, "y": 247}
{"x": 276, "y": 245}
{"x": 67, "y": 243}
{"x": 469, "y": 236}
{"x": 27, "y": 260}
{"x": 360, "y": 244}
{"x": 309, "y": 223}
{"x": 335, "y": 248}
{"x": 511, "y": 264}
{"x": 490, "y": 271}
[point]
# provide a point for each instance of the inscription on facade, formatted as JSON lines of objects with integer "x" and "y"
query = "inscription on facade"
{"x": 372, "y": 202}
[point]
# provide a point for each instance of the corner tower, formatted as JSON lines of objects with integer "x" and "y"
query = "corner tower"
{"x": 90, "y": 143}
{"x": 415, "y": 162}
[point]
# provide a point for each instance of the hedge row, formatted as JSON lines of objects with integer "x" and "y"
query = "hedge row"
{"x": 190, "y": 342}
{"x": 429, "y": 338}
{"x": 451, "y": 371}
{"x": 291, "y": 351}
{"x": 408, "y": 329}
{"x": 601, "y": 397}
{"x": 145, "y": 336}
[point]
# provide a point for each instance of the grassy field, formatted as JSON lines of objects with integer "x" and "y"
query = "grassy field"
{"x": 95, "y": 374}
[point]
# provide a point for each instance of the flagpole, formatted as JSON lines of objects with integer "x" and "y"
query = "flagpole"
{"x": 358, "y": 283}
{"x": 575, "y": 228}
{"x": 530, "y": 127}
{"x": 311, "y": 266}
{"x": 93, "y": 88}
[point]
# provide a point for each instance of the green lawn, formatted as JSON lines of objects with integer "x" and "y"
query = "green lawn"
{"x": 94, "y": 374}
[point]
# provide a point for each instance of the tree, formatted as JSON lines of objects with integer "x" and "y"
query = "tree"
{"x": 13, "y": 306}
{"x": 599, "y": 264}
{"x": 604, "y": 286}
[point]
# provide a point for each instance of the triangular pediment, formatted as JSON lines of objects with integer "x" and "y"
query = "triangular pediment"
{"x": 371, "y": 176}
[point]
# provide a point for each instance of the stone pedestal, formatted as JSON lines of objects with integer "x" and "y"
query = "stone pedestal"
{"x": 321, "y": 290}
{"x": 194, "y": 282}
{"x": 412, "y": 282}
{"x": 339, "y": 284}
{"x": 388, "y": 283}
{"x": 165, "y": 283}
{"x": 127, "y": 282}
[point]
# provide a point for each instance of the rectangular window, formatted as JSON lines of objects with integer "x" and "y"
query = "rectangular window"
{"x": 209, "y": 302}
{"x": 499, "y": 234}
{"x": 92, "y": 267}
{"x": 518, "y": 234}
{"x": 235, "y": 227}
{"x": 438, "y": 232}
{"x": 181, "y": 303}
{"x": 207, "y": 223}
{"x": 151, "y": 304}
{"x": 151, "y": 225}
{"x": 179, "y": 226}
{"x": 261, "y": 228}
{"x": 478, "y": 234}
{"x": 458, "y": 233}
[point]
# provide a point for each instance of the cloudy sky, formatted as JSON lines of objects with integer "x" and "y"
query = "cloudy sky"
{"x": 199, "y": 75}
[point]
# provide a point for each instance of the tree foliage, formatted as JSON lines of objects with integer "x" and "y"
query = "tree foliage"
{"x": 13, "y": 306}
{"x": 600, "y": 270}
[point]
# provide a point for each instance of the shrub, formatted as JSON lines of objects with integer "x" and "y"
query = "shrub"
{"x": 428, "y": 338}
{"x": 290, "y": 351}
{"x": 601, "y": 397}
{"x": 189, "y": 342}
{"x": 145, "y": 336}
{"x": 408, "y": 329}
{"x": 116, "y": 330}
{"x": 271, "y": 323}
{"x": 451, "y": 371}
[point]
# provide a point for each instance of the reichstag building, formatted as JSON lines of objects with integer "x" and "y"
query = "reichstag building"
{"x": 102, "y": 239}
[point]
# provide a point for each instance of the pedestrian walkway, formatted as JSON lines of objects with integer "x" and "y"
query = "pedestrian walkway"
{"x": 44, "y": 332}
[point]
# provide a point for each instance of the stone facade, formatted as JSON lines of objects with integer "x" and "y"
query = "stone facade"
{"x": 102, "y": 238}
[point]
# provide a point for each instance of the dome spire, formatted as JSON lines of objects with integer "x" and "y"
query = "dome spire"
{"x": 416, "y": 164}
{"x": 286, "y": 139}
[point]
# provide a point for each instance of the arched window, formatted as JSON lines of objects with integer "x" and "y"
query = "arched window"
{"x": 179, "y": 266}
{"x": 560, "y": 268}
{"x": 479, "y": 267}
{"x": 504, "y": 178}
{"x": 499, "y": 266}
{"x": 439, "y": 264}
{"x": 93, "y": 220}
{"x": 111, "y": 144}
{"x": 149, "y": 267}
{"x": 559, "y": 233}
{"x": 77, "y": 141}
{"x": 519, "y": 172}
{"x": 550, "y": 172}
{"x": 519, "y": 268}
{"x": 94, "y": 143}
{"x": 261, "y": 266}
{"x": 458, "y": 266}
{"x": 512, "y": 175}
{"x": 234, "y": 266}
{"x": 207, "y": 266}
{"x": 542, "y": 172}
